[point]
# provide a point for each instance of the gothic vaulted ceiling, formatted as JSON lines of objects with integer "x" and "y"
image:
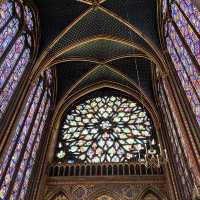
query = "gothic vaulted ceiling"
{"x": 98, "y": 44}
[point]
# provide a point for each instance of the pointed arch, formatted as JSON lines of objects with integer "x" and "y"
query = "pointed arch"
{"x": 152, "y": 192}
{"x": 68, "y": 100}
{"x": 104, "y": 192}
{"x": 59, "y": 196}
{"x": 18, "y": 47}
{"x": 152, "y": 51}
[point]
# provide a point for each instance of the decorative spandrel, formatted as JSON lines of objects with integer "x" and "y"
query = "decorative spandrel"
{"x": 106, "y": 129}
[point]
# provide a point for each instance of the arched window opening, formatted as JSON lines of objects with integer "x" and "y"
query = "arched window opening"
{"x": 106, "y": 128}
{"x": 182, "y": 34}
{"x": 18, "y": 160}
{"x": 16, "y": 47}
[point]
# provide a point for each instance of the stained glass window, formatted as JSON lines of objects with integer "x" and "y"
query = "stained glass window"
{"x": 187, "y": 32}
{"x": 7, "y": 34}
{"x": 15, "y": 48}
{"x": 177, "y": 140}
{"x": 106, "y": 129}
{"x": 191, "y": 12}
{"x": 164, "y": 5}
{"x": 20, "y": 157}
{"x": 183, "y": 44}
{"x": 5, "y": 12}
{"x": 28, "y": 17}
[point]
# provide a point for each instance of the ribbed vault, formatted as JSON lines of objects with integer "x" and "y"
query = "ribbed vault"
{"x": 104, "y": 41}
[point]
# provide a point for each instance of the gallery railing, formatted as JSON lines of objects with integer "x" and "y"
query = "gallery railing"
{"x": 104, "y": 169}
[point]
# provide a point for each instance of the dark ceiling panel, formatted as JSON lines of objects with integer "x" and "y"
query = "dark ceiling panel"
{"x": 141, "y": 13}
{"x": 55, "y": 15}
{"x": 100, "y": 50}
{"x": 139, "y": 71}
{"x": 95, "y": 23}
{"x": 69, "y": 73}
{"x": 103, "y": 73}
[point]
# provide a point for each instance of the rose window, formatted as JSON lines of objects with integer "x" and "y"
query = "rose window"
{"x": 106, "y": 129}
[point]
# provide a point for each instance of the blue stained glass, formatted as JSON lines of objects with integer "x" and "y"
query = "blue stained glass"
{"x": 30, "y": 146}
{"x": 33, "y": 156}
{"x": 191, "y": 11}
{"x": 189, "y": 35}
{"x": 10, "y": 74}
{"x": 7, "y": 34}
{"x": 10, "y": 60}
{"x": 13, "y": 81}
{"x": 28, "y": 18}
{"x": 187, "y": 72}
{"x": 17, "y": 153}
{"x": 5, "y": 12}
{"x": 14, "y": 138}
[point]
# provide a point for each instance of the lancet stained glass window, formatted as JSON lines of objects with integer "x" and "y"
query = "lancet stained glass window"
{"x": 20, "y": 156}
{"x": 15, "y": 47}
{"x": 175, "y": 133}
{"x": 106, "y": 129}
{"x": 183, "y": 43}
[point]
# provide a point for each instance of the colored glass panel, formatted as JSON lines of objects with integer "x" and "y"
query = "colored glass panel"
{"x": 11, "y": 59}
{"x": 33, "y": 156}
{"x": 187, "y": 72}
{"x": 28, "y": 18}
{"x": 29, "y": 147}
{"x": 105, "y": 129}
{"x": 164, "y": 6}
{"x": 17, "y": 132}
{"x": 23, "y": 134}
{"x": 13, "y": 81}
{"x": 17, "y": 8}
{"x": 5, "y": 12}
{"x": 190, "y": 37}
{"x": 49, "y": 76}
{"x": 7, "y": 34}
{"x": 191, "y": 11}
{"x": 14, "y": 63}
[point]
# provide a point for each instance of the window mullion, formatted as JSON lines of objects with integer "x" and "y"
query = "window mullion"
{"x": 24, "y": 146}
{"x": 193, "y": 59}
{"x": 16, "y": 63}
{"x": 188, "y": 21}
{"x": 18, "y": 137}
{"x": 30, "y": 153}
{"x": 185, "y": 70}
{"x": 6, "y": 24}
{"x": 182, "y": 156}
{"x": 9, "y": 47}
{"x": 169, "y": 126}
